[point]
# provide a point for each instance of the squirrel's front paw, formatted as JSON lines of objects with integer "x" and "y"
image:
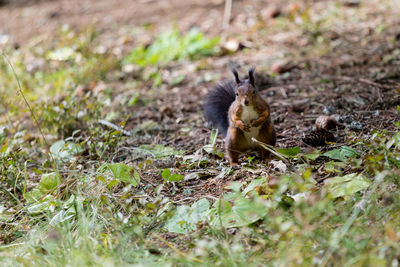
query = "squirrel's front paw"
{"x": 243, "y": 126}
{"x": 255, "y": 123}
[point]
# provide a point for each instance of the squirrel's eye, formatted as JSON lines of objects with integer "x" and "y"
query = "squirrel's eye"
{"x": 237, "y": 94}
{"x": 254, "y": 91}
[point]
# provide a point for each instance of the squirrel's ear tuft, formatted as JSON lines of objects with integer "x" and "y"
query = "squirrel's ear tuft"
{"x": 251, "y": 76}
{"x": 235, "y": 73}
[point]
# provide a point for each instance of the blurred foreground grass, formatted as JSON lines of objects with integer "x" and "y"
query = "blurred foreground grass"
{"x": 90, "y": 211}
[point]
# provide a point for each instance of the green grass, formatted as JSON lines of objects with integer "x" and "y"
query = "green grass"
{"x": 172, "y": 46}
{"x": 87, "y": 210}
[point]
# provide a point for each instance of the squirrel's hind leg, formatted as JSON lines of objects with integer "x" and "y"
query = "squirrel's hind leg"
{"x": 265, "y": 154}
{"x": 232, "y": 157}
{"x": 234, "y": 142}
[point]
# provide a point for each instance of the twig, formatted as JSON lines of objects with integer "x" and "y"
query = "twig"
{"x": 379, "y": 94}
{"x": 270, "y": 149}
{"x": 12, "y": 245}
{"x": 363, "y": 80}
{"x": 227, "y": 14}
{"x": 30, "y": 110}
{"x": 115, "y": 127}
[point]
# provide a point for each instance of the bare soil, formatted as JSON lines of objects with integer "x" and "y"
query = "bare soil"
{"x": 352, "y": 71}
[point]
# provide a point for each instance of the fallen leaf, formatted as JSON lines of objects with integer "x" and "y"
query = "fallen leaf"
{"x": 279, "y": 165}
{"x": 342, "y": 153}
{"x": 346, "y": 185}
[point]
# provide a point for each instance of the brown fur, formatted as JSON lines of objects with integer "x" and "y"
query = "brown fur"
{"x": 235, "y": 141}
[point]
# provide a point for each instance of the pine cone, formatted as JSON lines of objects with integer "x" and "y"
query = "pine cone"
{"x": 319, "y": 137}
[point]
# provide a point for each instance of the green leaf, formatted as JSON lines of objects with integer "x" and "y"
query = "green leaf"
{"x": 177, "y": 80}
{"x": 342, "y": 153}
{"x": 185, "y": 218}
{"x": 226, "y": 171}
{"x": 169, "y": 46}
{"x": 289, "y": 152}
{"x": 112, "y": 183}
{"x": 160, "y": 151}
{"x": 133, "y": 100}
{"x": 173, "y": 45}
{"x": 48, "y": 183}
{"x": 193, "y": 175}
{"x": 209, "y": 148}
{"x": 234, "y": 186}
{"x": 243, "y": 212}
{"x": 307, "y": 174}
{"x": 346, "y": 185}
{"x": 68, "y": 210}
{"x": 45, "y": 204}
{"x": 122, "y": 172}
{"x": 313, "y": 155}
{"x": 253, "y": 184}
{"x": 65, "y": 151}
{"x": 4, "y": 147}
{"x": 157, "y": 79}
{"x": 334, "y": 166}
{"x": 166, "y": 174}
{"x": 199, "y": 210}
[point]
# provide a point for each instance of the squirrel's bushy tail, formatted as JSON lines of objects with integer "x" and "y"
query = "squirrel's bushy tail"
{"x": 217, "y": 103}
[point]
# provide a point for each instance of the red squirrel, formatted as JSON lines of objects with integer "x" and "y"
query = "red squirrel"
{"x": 240, "y": 113}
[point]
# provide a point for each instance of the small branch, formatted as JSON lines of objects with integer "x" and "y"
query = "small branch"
{"x": 227, "y": 14}
{"x": 115, "y": 127}
{"x": 20, "y": 92}
{"x": 363, "y": 80}
{"x": 270, "y": 149}
{"x": 12, "y": 245}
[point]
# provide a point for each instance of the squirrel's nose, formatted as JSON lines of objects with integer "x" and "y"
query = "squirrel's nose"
{"x": 246, "y": 102}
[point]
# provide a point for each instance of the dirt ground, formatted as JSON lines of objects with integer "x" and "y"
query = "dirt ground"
{"x": 108, "y": 16}
{"x": 351, "y": 70}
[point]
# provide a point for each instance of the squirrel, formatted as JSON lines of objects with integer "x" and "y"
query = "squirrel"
{"x": 240, "y": 113}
